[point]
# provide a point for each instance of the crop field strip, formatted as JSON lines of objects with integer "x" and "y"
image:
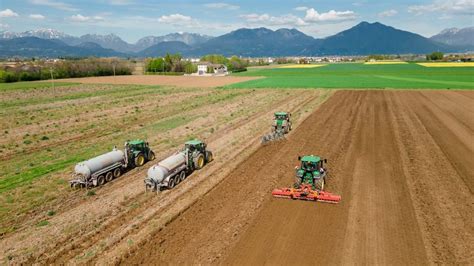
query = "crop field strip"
{"x": 361, "y": 76}
{"x": 160, "y": 117}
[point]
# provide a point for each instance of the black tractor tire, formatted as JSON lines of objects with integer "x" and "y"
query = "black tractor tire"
{"x": 109, "y": 176}
{"x": 199, "y": 162}
{"x": 177, "y": 180}
{"x": 151, "y": 156}
{"x": 139, "y": 160}
{"x": 320, "y": 184}
{"x": 171, "y": 183}
{"x": 117, "y": 172}
{"x": 100, "y": 180}
{"x": 209, "y": 157}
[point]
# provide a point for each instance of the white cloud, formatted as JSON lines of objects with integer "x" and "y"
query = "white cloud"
{"x": 222, "y": 6}
{"x": 54, "y": 4}
{"x": 267, "y": 20}
{"x": 121, "y": 2}
{"x": 301, "y": 8}
{"x": 37, "y": 16}
{"x": 465, "y": 7}
{"x": 8, "y": 13}
{"x": 175, "y": 19}
{"x": 81, "y": 18}
{"x": 388, "y": 13}
{"x": 332, "y": 16}
{"x": 4, "y": 26}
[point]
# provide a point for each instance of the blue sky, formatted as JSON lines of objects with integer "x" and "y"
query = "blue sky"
{"x": 133, "y": 19}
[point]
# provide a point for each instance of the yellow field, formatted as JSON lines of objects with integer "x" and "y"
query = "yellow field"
{"x": 385, "y": 63}
{"x": 451, "y": 64}
{"x": 301, "y": 66}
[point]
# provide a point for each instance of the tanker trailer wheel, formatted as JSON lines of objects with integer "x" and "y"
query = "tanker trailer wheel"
{"x": 171, "y": 183}
{"x": 199, "y": 161}
{"x": 100, "y": 180}
{"x": 109, "y": 176}
{"x": 182, "y": 175}
{"x": 117, "y": 172}
{"x": 139, "y": 160}
{"x": 177, "y": 179}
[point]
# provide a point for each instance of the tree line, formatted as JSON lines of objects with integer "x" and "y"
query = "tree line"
{"x": 43, "y": 70}
{"x": 174, "y": 64}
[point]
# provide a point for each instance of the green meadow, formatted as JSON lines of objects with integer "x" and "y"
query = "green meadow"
{"x": 357, "y": 75}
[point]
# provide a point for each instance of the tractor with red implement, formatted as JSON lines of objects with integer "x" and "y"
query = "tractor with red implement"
{"x": 310, "y": 181}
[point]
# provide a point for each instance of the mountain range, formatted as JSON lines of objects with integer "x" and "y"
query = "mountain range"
{"x": 362, "y": 39}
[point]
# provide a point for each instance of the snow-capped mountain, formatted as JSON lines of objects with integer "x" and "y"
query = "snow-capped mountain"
{"x": 109, "y": 41}
{"x": 39, "y": 33}
{"x": 457, "y": 37}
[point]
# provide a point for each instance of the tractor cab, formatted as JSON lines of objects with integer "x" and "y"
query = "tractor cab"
{"x": 139, "y": 152}
{"x": 311, "y": 171}
{"x": 197, "y": 153}
{"x": 280, "y": 116}
{"x": 195, "y": 145}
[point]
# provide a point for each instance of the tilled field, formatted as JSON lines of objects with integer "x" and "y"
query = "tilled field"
{"x": 402, "y": 161}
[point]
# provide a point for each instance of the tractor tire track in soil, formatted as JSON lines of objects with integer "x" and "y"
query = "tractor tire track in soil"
{"x": 402, "y": 161}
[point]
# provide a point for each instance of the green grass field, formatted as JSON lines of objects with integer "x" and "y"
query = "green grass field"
{"x": 355, "y": 75}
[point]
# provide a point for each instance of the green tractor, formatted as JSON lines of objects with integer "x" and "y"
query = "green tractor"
{"x": 197, "y": 154}
{"x": 139, "y": 151}
{"x": 281, "y": 126}
{"x": 311, "y": 172}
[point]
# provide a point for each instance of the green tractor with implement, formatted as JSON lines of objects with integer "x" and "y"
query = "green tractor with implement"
{"x": 281, "y": 126}
{"x": 311, "y": 177}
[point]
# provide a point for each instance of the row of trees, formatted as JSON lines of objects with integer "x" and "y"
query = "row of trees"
{"x": 174, "y": 64}
{"x": 65, "y": 69}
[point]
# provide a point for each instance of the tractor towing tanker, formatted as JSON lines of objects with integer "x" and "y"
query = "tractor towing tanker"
{"x": 104, "y": 168}
{"x": 173, "y": 170}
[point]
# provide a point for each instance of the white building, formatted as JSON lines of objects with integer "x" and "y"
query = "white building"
{"x": 217, "y": 69}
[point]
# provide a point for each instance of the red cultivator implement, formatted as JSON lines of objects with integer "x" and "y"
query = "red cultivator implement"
{"x": 305, "y": 192}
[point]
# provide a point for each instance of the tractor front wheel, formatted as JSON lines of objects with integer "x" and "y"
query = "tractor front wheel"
{"x": 139, "y": 160}
{"x": 209, "y": 157}
{"x": 151, "y": 156}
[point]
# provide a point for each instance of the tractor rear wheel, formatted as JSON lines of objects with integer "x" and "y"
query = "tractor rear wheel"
{"x": 199, "y": 161}
{"x": 109, "y": 176}
{"x": 139, "y": 160}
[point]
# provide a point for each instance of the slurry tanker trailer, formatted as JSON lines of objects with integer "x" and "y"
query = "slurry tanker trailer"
{"x": 174, "y": 169}
{"x": 104, "y": 168}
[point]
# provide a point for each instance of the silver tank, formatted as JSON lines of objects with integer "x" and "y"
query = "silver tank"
{"x": 161, "y": 170}
{"x": 87, "y": 168}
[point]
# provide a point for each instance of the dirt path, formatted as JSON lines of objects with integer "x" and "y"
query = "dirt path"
{"x": 402, "y": 162}
{"x": 180, "y": 81}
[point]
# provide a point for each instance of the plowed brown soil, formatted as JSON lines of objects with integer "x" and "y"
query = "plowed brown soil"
{"x": 402, "y": 161}
{"x": 180, "y": 81}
